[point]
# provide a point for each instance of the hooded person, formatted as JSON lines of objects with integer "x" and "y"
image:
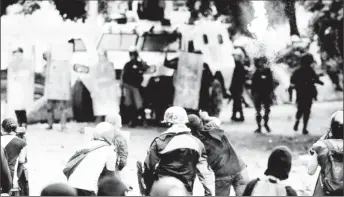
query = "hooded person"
{"x": 229, "y": 168}
{"x": 328, "y": 154}
{"x": 168, "y": 186}
{"x": 279, "y": 165}
{"x": 119, "y": 140}
{"x": 177, "y": 153}
{"x": 111, "y": 186}
{"x": 99, "y": 162}
{"x": 59, "y": 189}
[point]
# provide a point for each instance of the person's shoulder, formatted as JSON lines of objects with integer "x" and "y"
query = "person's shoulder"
{"x": 290, "y": 191}
{"x": 318, "y": 146}
{"x": 18, "y": 141}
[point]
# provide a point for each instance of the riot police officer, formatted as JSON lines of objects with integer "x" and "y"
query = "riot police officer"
{"x": 303, "y": 81}
{"x": 132, "y": 78}
{"x": 262, "y": 91}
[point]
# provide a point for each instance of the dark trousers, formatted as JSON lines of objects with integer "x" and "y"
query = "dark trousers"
{"x": 266, "y": 103}
{"x": 82, "y": 192}
{"x": 304, "y": 106}
{"x": 237, "y": 105}
{"x": 21, "y": 117}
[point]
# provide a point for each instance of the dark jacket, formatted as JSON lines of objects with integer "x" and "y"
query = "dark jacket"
{"x": 304, "y": 79}
{"x": 250, "y": 186}
{"x": 133, "y": 73}
{"x": 238, "y": 79}
{"x": 222, "y": 158}
{"x": 13, "y": 149}
{"x": 206, "y": 82}
{"x": 6, "y": 178}
{"x": 262, "y": 83}
{"x": 178, "y": 154}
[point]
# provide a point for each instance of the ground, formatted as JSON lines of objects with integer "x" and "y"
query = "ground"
{"x": 48, "y": 151}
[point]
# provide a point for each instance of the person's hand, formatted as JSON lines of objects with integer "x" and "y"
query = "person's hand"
{"x": 203, "y": 115}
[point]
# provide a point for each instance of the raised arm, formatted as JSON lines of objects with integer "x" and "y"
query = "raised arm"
{"x": 205, "y": 174}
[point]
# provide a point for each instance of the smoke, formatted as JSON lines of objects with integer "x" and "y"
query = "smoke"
{"x": 269, "y": 38}
{"x": 270, "y": 27}
{"x": 43, "y": 27}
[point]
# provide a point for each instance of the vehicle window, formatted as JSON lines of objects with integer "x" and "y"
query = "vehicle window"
{"x": 111, "y": 42}
{"x": 79, "y": 45}
{"x": 205, "y": 39}
{"x": 219, "y": 37}
{"x": 154, "y": 42}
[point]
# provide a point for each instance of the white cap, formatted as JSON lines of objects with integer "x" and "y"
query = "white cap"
{"x": 115, "y": 119}
{"x": 104, "y": 130}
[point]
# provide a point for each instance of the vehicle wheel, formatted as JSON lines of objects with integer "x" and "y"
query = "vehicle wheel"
{"x": 82, "y": 103}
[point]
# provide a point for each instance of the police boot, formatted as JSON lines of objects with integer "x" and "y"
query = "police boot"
{"x": 296, "y": 125}
{"x": 63, "y": 120}
{"x": 50, "y": 119}
{"x": 305, "y": 123}
{"x": 258, "y": 119}
{"x": 266, "y": 125}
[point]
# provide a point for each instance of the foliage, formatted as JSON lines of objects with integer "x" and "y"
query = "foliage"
{"x": 72, "y": 9}
{"x": 328, "y": 25}
{"x": 151, "y": 10}
{"x": 28, "y": 7}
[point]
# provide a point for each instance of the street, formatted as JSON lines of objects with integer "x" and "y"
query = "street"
{"x": 48, "y": 151}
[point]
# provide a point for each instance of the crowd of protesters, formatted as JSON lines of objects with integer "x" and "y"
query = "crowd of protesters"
{"x": 193, "y": 145}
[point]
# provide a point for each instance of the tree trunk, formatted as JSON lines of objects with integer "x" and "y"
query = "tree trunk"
{"x": 291, "y": 14}
{"x": 152, "y": 10}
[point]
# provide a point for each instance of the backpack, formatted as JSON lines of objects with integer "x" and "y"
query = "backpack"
{"x": 332, "y": 173}
{"x": 264, "y": 187}
{"x": 76, "y": 159}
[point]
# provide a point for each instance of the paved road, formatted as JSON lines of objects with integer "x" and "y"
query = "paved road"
{"x": 49, "y": 150}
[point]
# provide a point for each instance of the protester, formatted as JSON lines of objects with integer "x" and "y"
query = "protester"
{"x": 6, "y": 178}
{"x": 262, "y": 90}
{"x": 303, "y": 80}
{"x": 131, "y": 80}
{"x": 229, "y": 168}
{"x": 237, "y": 85}
{"x": 111, "y": 186}
{"x": 328, "y": 154}
{"x": 216, "y": 95}
{"x": 19, "y": 101}
{"x": 279, "y": 165}
{"x": 100, "y": 161}
{"x": 59, "y": 189}
{"x": 15, "y": 148}
{"x": 52, "y": 105}
{"x": 178, "y": 154}
{"x": 119, "y": 140}
{"x": 168, "y": 186}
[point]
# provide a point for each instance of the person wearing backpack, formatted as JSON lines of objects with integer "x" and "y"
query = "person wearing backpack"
{"x": 177, "y": 153}
{"x": 328, "y": 154}
{"x": 279, "y": 165}
{"x": 96, "y": 159}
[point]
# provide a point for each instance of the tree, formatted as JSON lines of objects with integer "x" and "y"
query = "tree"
{"x": 151, "y": 10}
{"x": 28, "y": 7}
{"x": 328, "y": 25}
{"x": 290, "y": 13}
{"x": 5, "y": 4}
{"x": 72, "y": 9}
